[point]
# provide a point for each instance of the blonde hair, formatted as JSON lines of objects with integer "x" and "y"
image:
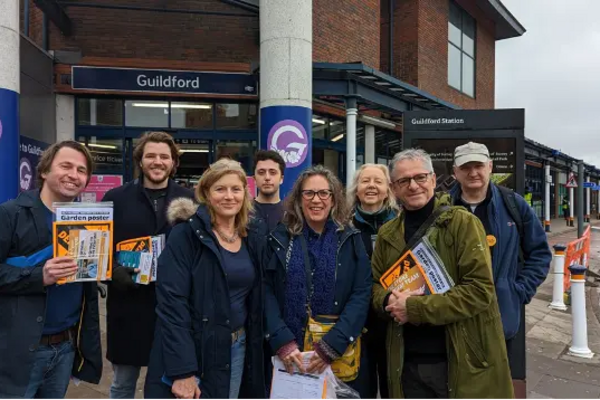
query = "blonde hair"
{"x": 389, "y": 203}
{"x": 215, "y": 172}
{"x": 294, "y": 218}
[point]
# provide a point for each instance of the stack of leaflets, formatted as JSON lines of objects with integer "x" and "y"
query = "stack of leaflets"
{"x": 141, "y": 253}
{"x": 420, "y": 268}
{"x": 84, "y": 231}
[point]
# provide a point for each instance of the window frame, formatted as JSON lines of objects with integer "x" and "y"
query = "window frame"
{"x": 463, "y": 16}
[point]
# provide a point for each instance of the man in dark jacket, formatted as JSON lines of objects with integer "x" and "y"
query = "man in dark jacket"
{"x": 515, "y": 284}
{"x": 139, "y": 211}
{"x": 48, "y": 332}
{"x": 269, "y": 169}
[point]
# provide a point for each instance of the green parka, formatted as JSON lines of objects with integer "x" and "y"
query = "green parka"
{"x": 477, "y": 361}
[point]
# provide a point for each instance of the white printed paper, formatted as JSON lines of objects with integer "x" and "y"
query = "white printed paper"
{"x": 296, "y": 385}
{"x": 432, "y": 266}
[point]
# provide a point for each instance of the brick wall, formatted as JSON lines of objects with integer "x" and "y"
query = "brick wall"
{"x": 421, "y": 50}
{"x": 161, "y": 35}
{"x": 433, "y": 54}
{"x": 346, "y": 31}
{"x": 35, "y": 21}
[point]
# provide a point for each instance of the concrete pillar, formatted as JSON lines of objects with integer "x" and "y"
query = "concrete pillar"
{"x": 286, "y": 83}
{"x": 351, "y": 116}
{"x": 588, "y": 197}
{"x": 598, "y": 206}
{"x": 65, "y": 117}
{"x": 370, "y": 155}
{"x": 571, "y": 206}
{"x": 10, "y": 72}
{"x": 547, "y": 180}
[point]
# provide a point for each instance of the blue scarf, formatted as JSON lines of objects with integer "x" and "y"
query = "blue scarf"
{"x": 322, "y": 253}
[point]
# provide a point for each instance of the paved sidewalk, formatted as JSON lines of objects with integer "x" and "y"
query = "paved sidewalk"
{"x": 551, "y": 372}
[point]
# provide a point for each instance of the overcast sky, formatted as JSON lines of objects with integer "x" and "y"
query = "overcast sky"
{"x": 553, "y": 71}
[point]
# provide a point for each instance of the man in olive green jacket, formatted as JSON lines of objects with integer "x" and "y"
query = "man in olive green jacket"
{"x": 440, "y": 345}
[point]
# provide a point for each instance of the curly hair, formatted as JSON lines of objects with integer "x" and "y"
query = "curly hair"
{"x": 216, "y": 171}
{"x": 294, "y": 217}
{"x": 390, "y": 201}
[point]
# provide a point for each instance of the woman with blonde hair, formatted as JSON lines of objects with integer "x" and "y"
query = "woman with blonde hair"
{"x": 374, "y": 204}
{"x": 209, "y": 295}
{"x": 318, "y": 282}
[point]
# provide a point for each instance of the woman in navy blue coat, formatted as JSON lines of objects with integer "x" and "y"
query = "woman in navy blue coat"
{"x": 340, "y": 275}
{"x": 209, "y": 335}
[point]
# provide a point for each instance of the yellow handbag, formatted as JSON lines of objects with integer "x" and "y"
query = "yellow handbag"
{"x": 347, "y": 366}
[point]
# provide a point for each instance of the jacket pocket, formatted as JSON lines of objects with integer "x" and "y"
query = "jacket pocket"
{"x": 509, "y": 303}
{"x": 475, "y": 355}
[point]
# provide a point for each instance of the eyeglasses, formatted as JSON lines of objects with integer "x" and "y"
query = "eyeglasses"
{"x": 323, "y": 194}
{"x": 419, "y": 179}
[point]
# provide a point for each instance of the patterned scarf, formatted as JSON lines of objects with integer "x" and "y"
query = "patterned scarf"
{"x": 322, "y": 253}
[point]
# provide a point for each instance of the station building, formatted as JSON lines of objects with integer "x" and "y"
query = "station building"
{"x": 104, "y": 72}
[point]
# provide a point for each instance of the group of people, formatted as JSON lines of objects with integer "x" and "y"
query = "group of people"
{"x": 242, "y": 280}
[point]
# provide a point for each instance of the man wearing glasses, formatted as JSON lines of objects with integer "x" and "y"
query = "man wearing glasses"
{"x": 439, "y": 345}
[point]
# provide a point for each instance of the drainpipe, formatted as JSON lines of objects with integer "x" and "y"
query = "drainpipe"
{"x": 391, "y": 62}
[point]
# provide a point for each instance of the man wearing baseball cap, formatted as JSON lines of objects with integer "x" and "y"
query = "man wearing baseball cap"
{"x": 511, "y": 227}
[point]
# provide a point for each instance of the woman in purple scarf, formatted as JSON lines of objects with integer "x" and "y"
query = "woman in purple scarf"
{"x": 318, "y": 266}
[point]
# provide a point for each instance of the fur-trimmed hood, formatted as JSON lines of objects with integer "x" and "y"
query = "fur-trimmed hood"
{"x": 181, "y": 209}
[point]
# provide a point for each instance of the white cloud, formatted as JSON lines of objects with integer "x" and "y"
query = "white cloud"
{"x": 553, "y": 71}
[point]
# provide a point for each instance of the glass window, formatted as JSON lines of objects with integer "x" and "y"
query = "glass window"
{"x": 454, "y": 77}
{"x": 147, "y": 113}
{"x": 99, "y": 112}
{"x": 194, "y": 159}
{"x": 239, "y": 151}
{"x": 461, "y": 50}
{"x": 337, "y": 130}
{"x": 107, "y": 154}
{"x": 191, "y": 115}
{"x": 468, "y": 75}
{"x": 237, "y": 116}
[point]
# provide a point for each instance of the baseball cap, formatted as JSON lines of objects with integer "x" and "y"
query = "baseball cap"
{"x": 471, "y": 152}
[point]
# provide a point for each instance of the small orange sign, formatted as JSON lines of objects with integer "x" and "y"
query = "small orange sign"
{"x": 402, "y": 266}
{"x": 491, "y": 240}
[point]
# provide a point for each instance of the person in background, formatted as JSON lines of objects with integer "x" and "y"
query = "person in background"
{"x": 565, "y": 205}
{"x": 520, "y": 264}
{"x": 209, "y": 335}
{"x": 374, "y": 204}
{"x": 140, "y": 210}
{"x": 268, "y": 173}
{"x": 48, "y": 332}
{"x": 440, "y": 345}
{"x": 316, "y": 235}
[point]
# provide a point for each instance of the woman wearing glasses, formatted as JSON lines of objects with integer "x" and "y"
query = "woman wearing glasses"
{"x": 318, "y": 282}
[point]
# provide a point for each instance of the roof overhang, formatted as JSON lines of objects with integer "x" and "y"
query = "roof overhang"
{"x": 372, "y": 89}
{"x": 507, "y": 25}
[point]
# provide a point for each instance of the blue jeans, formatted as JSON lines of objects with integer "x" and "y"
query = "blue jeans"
{"x": 238, "y": 356}
{"x": 124, "y": 381}
{"x": 51, "y": 371}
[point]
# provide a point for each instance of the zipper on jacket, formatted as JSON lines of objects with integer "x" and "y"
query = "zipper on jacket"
{"x": 337, "y": 257}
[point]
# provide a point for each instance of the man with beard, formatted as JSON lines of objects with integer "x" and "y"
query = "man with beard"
{"x": 268, "y": 173}
{"x": 139, "y": 210}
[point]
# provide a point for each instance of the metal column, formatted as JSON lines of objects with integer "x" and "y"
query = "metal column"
{"x": 588, "y": 197}
{"x": 580, "y": 200}
{"x": 9, "y": 99}
{"x": 351, "y": 115}
{"x": 547, "y": 179}
{"x": 370, "y": 144}
{"x": 286, "y": 83}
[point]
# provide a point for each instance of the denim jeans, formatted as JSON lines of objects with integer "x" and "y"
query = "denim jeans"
{"x": 51, "y": 371}
{"x": 124, "y": 381}
{"x": 238, "y": 356}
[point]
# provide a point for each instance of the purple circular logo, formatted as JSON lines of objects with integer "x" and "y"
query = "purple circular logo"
{"x": 0, "y": 129}
{"x": 25, "y": 174}
{"x": 290, "y": 140}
